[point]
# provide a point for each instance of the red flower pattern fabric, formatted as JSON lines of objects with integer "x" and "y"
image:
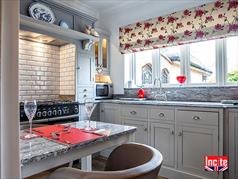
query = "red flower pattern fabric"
{"x": 209, "y": 21}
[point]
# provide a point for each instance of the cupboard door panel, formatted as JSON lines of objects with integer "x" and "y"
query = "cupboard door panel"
{"x": 110, "y": 113}
{"x": 233, "y": 145}
{"x": 194, "y": 143}
{"x": 141, "y": 134}
{"x": 162, "y": 138}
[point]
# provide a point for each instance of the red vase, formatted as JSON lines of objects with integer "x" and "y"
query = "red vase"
{"x": 181, "y": 79}
{"x": 141, "y": 93}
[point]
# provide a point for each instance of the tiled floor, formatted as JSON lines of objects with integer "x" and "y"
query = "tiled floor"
{"x": 98, "y": 165}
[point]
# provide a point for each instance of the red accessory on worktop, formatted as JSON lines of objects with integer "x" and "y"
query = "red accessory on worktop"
{"x": 65, "y": 134}
{"x": 141, "y": 93}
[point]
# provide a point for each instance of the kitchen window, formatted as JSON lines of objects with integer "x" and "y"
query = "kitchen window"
{"x": 213, "y": 62}
{"x": 232, "y": 60}
{"x": 170, "y": 64}
{"x": 202, "y": 62}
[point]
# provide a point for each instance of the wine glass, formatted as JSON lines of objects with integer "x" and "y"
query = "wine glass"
{"x": 30, "y": 108}
{"x": 181, "y": 79}
{"x": 90, "y": 105}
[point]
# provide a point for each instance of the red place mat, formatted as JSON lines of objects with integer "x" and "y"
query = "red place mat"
{"x": 72, "y": 136}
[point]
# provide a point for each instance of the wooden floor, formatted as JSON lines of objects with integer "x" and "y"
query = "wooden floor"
{"x": 98, "y": 164}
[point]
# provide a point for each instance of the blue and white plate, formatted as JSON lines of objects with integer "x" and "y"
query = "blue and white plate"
{"x": 42, "y": 12}
{"x": 64, "y": 24}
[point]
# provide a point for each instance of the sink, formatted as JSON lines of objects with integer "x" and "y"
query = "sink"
{"x": 133, "y": 99}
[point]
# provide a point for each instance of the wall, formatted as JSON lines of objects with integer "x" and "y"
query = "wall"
{"x": 67, "y": 70}
{"x": 111, "y": 22}
{"x": 44, "y": 70}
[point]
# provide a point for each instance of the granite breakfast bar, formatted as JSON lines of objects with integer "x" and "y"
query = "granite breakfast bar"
{"x": 40, "y": 154}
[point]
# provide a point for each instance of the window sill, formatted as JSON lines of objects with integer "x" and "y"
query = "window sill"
{"x": 190, "y": 86}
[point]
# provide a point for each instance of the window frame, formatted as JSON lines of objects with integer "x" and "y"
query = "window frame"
{"x": 225, "y": 61}
{"x": 221, "y": 66}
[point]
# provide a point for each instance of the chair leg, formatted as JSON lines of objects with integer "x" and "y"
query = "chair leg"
{"x": 71, "y": 164}
{"x": 86, "y": 163}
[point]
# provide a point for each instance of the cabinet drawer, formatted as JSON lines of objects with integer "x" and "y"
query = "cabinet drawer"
{"x": 134, "y": 111}
{"x": 161, "y": 114}
{"x": 198, "y": 117}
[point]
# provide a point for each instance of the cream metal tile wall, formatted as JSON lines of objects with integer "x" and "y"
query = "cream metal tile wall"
{"x": 40, "y": 71}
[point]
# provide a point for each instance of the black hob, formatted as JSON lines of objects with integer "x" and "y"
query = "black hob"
{"x": 50, "y": 111}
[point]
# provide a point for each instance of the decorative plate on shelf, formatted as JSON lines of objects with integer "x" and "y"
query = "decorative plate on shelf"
{"x": 64, "y": 24}
{"x": 42, "y": 12}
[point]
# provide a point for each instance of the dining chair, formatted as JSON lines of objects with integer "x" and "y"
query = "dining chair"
{"x": 128, "y": 161}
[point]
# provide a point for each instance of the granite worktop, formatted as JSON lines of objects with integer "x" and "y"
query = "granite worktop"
{"x": 171, "y": 103}
{"x": 37, "y": 149}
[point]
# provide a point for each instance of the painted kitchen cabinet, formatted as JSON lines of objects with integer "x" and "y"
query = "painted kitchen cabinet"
{"x": 85, "y": 71}
{"x": 136, "y": 115}
{"x": 110, "y": 113}
{"x": 184, "y": 136}
{"x": 141, "y": 135}
{"x": 85, "y": 68}
{"x": 233, "y": 144}
{"x": 162, "y": 134}
{"x": 197, "y": 137}
{"x": 162, "y": 138}
{"x": 102, "y": 52}
{"x": 194, "y": 143}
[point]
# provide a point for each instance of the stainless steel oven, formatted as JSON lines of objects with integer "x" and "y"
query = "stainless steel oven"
{"x": 104, "y": 90}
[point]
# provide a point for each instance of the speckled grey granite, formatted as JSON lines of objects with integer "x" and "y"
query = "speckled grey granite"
{"x": 172, "y": 103}
{"x": 198, "y": 94}
{"x": 37, "y": 149}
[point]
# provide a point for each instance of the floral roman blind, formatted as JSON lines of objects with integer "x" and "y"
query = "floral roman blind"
{"x": 214, "y": 20}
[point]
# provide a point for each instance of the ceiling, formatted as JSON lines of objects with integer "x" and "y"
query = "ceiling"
{"x": 112, "y": 6}
{"x": 106, "y": 6}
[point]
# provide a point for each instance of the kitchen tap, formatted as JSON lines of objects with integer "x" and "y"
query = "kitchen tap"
{"x": 159, "y": 95}
{"x": 156, "y": 80}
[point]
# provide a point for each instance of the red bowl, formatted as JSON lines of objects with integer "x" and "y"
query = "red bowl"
{"x": 181, "y": 79}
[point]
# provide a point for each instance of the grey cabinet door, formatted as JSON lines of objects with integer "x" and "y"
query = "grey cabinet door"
{"x": 110, "y": 113}
{"x": 194, "y": 143}
{"x": 163, "y": 138}
{"x": 141, "y": 134}
{"x": 233, "y": 145}
{"x": 85, "y": 69}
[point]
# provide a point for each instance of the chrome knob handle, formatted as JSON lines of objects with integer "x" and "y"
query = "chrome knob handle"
{"x": 145, "y": 129}
{"x": 38, "y": 114}
{"x": 49, "y": 113}
{"x": 59, "y": 112}
{"x": 44, "y": 113}
{"x": 133, "y": 112}
{"x": 196, "y": 118}
{"x": 54, "y": 112}
{"x": 84, "y": 96}
{"x": 161, "y": 114}
{"x": 76, "y": 110}
{"x": 85, "y": 90}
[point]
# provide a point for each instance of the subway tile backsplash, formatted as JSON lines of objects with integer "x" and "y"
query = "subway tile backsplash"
{"x": 200, "y": 94}
{"x": 67, "y": 70}
{"x": 42, "y": 68}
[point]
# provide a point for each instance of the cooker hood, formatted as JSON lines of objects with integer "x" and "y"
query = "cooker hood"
{"x": 41, "y": 38}
{"x": 32, "y": 29}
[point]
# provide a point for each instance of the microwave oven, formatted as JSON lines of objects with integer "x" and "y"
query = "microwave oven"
{"x": 104, "y": 90}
